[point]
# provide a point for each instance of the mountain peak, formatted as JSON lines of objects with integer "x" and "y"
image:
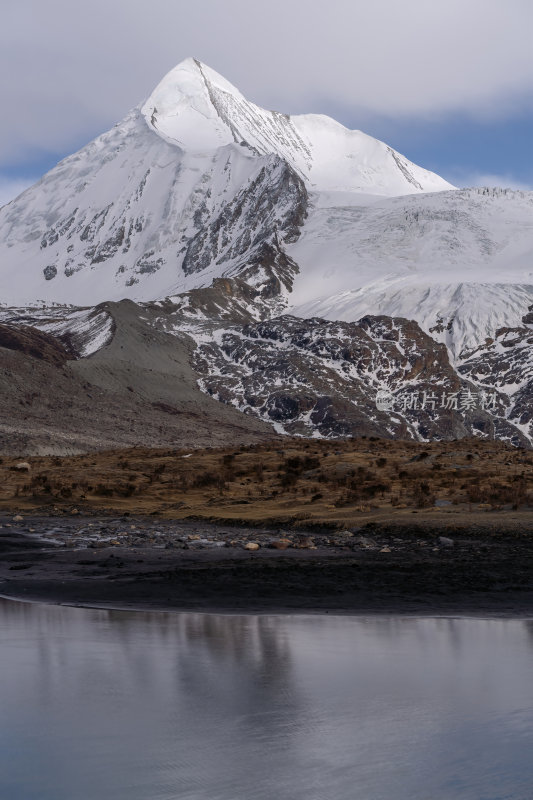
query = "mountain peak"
{"x": 191, "y": 77}
{"x": 199, "y": 110}
{"x": 183, "y": 107}
{"x": 136, "y": 198}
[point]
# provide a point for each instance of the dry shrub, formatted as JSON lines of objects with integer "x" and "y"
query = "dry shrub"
{"x": 207, "y": 478}
{"x": 422, "y": 496}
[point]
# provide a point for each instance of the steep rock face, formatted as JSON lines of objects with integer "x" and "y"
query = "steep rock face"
{"x": 247, "y": 238}
{"x": 274, "y": 200}
{"x": 257, "y": 293}
{"x": 379, "y": 376}
{"x": 505, "y": 364}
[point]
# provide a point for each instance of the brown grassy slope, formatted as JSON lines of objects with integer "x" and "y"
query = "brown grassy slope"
{"x": 292, "y": 481}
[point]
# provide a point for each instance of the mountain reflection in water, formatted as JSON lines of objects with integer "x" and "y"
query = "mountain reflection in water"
{"x": 153, "y": 706}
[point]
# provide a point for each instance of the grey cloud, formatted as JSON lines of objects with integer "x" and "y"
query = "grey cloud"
{"x": 69, "y": 67}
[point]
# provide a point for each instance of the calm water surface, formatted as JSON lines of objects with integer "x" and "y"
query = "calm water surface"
{"x": 108, "y": 705}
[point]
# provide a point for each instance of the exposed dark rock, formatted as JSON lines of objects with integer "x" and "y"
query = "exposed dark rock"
{"x": 34, "y": 343}
{"x": 50, "y": 272}
{"x": 318, "y": 377}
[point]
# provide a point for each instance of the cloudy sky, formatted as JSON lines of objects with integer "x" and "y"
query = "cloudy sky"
{"x": 449, "y": 83}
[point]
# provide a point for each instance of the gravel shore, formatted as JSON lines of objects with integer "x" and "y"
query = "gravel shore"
{"x": 128, "y": 562}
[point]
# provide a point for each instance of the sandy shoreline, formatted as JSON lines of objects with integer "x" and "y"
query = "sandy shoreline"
{"x": 207, "y": 568}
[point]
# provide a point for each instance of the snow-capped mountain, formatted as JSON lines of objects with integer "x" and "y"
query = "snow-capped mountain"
{"x": 181, "y": 192}
{"x": 199, "y": 110}
{"x": 217, "y": 217}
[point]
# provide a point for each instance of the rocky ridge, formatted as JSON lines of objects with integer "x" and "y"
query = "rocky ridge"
{"x": 380, "y": 376}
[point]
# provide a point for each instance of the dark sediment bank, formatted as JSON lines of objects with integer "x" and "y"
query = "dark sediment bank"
{"x": 160, "y": 564}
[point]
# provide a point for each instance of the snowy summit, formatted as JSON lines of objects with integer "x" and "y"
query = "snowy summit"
{"x": 198, "y": 183}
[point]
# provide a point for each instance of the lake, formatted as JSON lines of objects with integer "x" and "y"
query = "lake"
{"x": 114, "y": 705}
